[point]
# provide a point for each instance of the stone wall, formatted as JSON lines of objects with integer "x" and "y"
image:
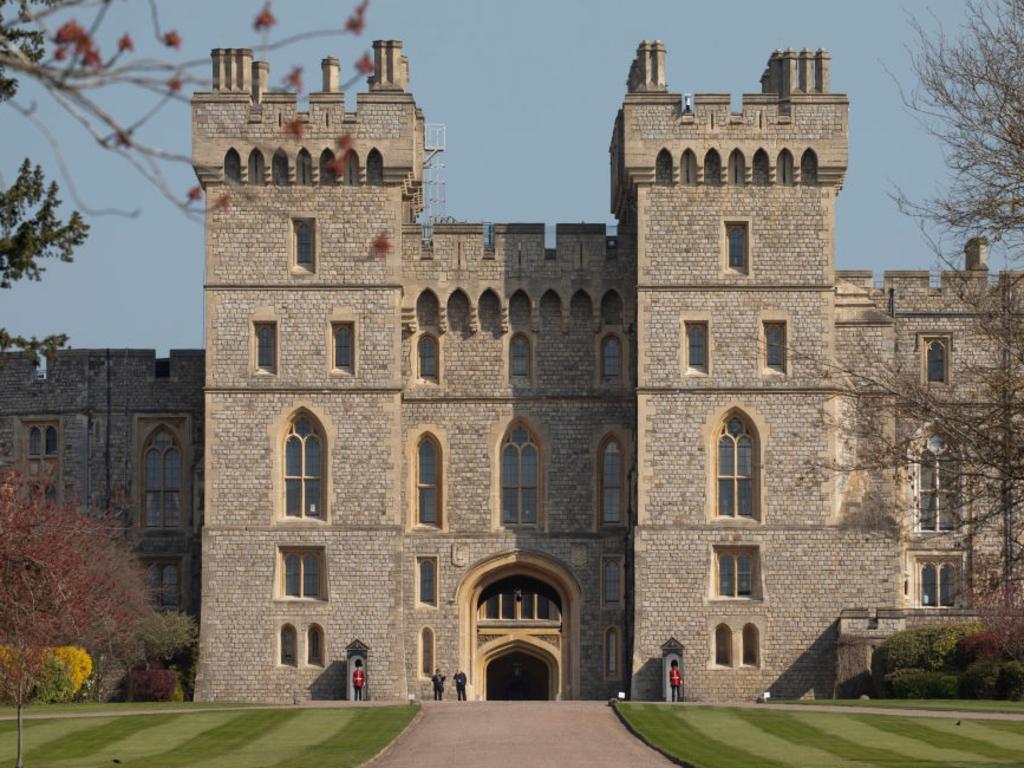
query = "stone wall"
{"x": 105, "y": 403}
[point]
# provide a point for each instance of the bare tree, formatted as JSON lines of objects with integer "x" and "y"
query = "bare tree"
{"x": 112, "y": 82}
{"x": 970, "y": 96}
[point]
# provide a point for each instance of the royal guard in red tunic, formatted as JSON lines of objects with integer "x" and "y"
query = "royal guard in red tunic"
{"x": 358, "y": 682}
{"x": 675, "y": 680}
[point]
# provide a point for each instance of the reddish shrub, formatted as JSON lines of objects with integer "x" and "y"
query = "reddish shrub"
{"x": 980, "y": 645}
{"x": 151, "y": 684}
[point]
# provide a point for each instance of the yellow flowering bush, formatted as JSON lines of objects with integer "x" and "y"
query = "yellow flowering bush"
{"x": 77, "y": 662}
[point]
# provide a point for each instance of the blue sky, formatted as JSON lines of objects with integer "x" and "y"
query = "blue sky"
{"x": 528, "y": 91}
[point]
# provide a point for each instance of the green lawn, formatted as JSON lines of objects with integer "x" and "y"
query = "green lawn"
{"x": 722, "y": 737}
{"x": 257, "y": 738}
{"x": 941, "y": 705}
{"x": 36, "y": 710}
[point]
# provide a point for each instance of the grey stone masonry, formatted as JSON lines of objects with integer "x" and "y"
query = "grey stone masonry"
{"x": 454, "y": 447}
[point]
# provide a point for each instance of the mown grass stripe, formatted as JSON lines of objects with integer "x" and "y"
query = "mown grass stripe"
{"x": 1016, "y": 727}
{"x": 356, "y": 740}
{"x": 804, "y": 734}
{"x": 725, "y": 724}
{"x": 101, "y": 735}
{"x": 219, "y": 740}
{"x": 913, "y": 728}
{"x": 672, "y": 731}
{"x": 39, "y": 733}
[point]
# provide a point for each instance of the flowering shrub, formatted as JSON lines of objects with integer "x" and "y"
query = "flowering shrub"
{"x": 78, "y": 663}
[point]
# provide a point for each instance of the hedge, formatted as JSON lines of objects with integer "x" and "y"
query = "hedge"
{"x": 1010, "y": 681}
{"x": 922, "y": 684}
{"x": 932, "y": 649}
{"x": 152, "y": 684}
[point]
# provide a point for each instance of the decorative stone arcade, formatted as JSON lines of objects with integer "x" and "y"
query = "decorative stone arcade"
{"x": 519, "y": 615}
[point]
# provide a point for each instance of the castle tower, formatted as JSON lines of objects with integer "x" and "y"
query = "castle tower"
{"x": 304, "y": 231}
{"x": 732, "y": 215}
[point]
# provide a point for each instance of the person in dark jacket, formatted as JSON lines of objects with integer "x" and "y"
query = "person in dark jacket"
{"x": 460, "y": 685}
{"x": 438, "y": 681}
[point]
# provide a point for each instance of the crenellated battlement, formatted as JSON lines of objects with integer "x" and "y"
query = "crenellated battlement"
{"x": 380, "y": 142}
{"x": 795, "y": 128}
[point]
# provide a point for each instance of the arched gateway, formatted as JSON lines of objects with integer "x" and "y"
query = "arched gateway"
{"x": 519, "y": 628}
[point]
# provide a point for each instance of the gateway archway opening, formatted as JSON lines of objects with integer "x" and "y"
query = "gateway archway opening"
{"x": 518, "y": 676}
{"x": 519, "y": 628}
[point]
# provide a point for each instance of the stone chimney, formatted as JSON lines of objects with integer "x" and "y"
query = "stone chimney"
{"x": 821, "y": 65}
{"x": 232, "y": 69}
{"x": 260, "y": 79}
{"x": 976, "y": 252}
{"x": 647, "y": 73}
{"x": 790, "y": 72}
{"x": 391, "y": 68}
{"x": 331, "y": 71}
{"x": 805, "y": 71}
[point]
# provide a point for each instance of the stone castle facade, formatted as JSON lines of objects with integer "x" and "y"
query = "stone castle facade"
{"x": 544, "y": 466}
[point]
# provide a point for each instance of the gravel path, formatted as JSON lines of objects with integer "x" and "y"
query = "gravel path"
{"x": 497, "y": 734}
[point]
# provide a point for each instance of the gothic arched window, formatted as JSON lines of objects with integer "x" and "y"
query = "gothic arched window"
{"x": 809, "y": 168}
{"x": 279, "y": 168}
{"x": 784, "y": 169}
{"x": 427, "y": 652}
{"x": 257, "y": 168}
{"x": 428, "y": 482}
{"x": 611, "y": 647}
{"x": 162, "y": 467}
{"x": 520, "y": 460}
{"x": 760, "y": 169}
{"x": 328, "y": 174}
{"x": 712, "y": 168}
{"x": 289, "y": 657}
{"x": 304, "y": 169}
{"x": 663, "y": 168}
{"x": 723, "y": 645}
{"x": 737, "y": 169}
{"x": 232, "y": 167}
{"x": 315, "y": 646}
{"x": 751, "y": 646}
{"x": 303, "y": 459}
{"x": 737, "y": 494}
{"x": 688, "y": 168}
{"x": 936, "y": 361}
{"x": 352, "y": 169}
{"x": 374, "y": 168}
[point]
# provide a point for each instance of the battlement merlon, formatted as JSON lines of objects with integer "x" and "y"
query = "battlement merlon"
{"x": 795, "y": 110}
{"x": 241, "y": 112}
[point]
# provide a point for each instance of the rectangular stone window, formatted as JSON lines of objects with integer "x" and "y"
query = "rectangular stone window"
{"x": 611, "y": 580}
{"x": 304, "y": 244}
{"x": 344, "y": 347}
{"x": 696, "y": 347}
{"x": 265, "y": 335}
{"x": 737, "y": 244}
{"x": 938, "y": 583}
{"x": 163, "y": 582}
{"x": 775, "y": 346}
{"x": 301, "y": 574}
{"x": 426, "y": 577}
{"x": 42, "y": 451}
{"x": 736, "y": 571}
